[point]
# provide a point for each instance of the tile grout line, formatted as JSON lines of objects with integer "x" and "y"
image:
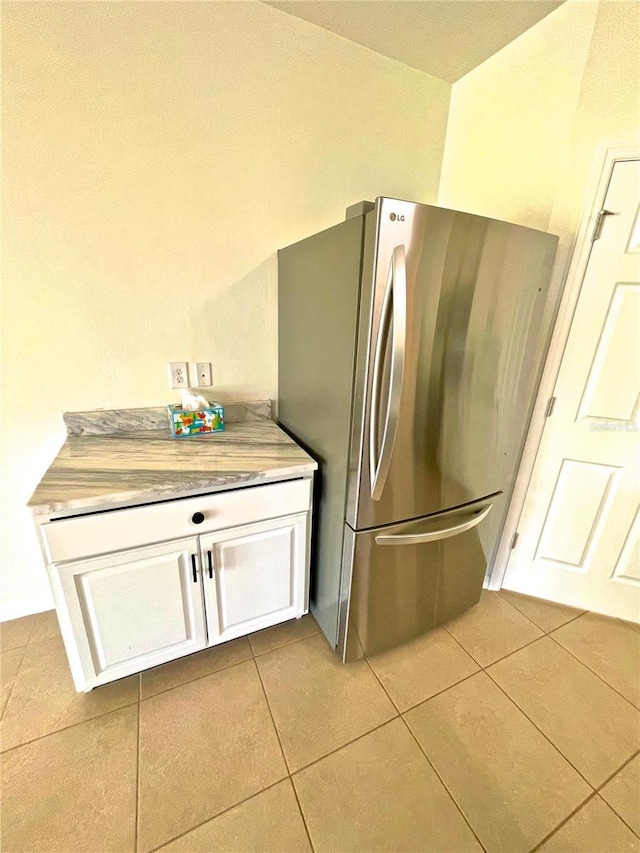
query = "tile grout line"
{"x": 288, "y": 776}
{"x": 442, "y": 782}
{"x": 544, "y": 735}
{"x": 513, "y": 607}
{"x": 626, "y": 622}
{"x": 292, "y": 773}
{"x": 508, "y": 654}
{"x": 593, "y": 672}
{"x": 482, "y": 668}
{"x": 568, "y": 622}
{"x": 387, "y": 694}
{"x": 140, "y": 697}
{"x": 253, "y": 656}
{"x": 24, "y": 654}
{"x": 215, "y": 816}
{"x": 13, "y": 648}
{"x": 285, "y": 645}
{"x": 615, "y": 773}
{"x": 401, "y": 716}
{"x": 6, "y": 704}
{"x": 596, "y": 793}
{"x": 273, "y": 722}
{"x": 304, "y": 820}
{"x": 286, "y": 760}
{"x": 342, "y": 746}
{"x": 545, "y": 634}
{"x": 491, "y": 663}
{"x": 189, "y": 680}
{"x": 619, "y": 816}
{"x": 440, "y": 692}
{"x": 610, "y": 779}
{"x": 289, "y": 773}
{"x": 563, "y": 822}
{"x": 71, "y": 726}
{"x": 137, "y": 815}
{"x": 456, "y": 640}
{"x": 544, "y": 630}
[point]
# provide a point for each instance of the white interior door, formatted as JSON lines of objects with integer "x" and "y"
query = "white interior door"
{"x": 579, "y": 530}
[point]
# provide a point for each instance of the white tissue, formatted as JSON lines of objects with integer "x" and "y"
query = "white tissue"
{"x": 192, "y": 402}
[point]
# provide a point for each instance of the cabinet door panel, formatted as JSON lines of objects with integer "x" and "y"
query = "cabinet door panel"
{"x": 259, "y": 576}
{"x": 135, "y": 609}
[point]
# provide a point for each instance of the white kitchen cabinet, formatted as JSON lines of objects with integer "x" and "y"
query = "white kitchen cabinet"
{"x": 254, "y": 575}
{"x": 133, "y": 591}
{"x": 134, "y": 609}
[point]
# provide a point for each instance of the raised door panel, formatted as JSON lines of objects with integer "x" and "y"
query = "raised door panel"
{"x": 255, "y": 576}
{"x": 135, "y": 609}
{"x": 611, "y": 387}
{"x": 577, "y": 510}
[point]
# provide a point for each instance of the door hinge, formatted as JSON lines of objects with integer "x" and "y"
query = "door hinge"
{"x": 514, "y": 540}
{"x": 550, "y": 405}
{"x": 597, "y": 229}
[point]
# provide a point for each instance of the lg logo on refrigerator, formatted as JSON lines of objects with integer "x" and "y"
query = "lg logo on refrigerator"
{"x": 394, "y": 216}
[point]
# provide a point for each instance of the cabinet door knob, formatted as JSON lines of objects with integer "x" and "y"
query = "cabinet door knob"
{"x": 194, "y": 568}
{"x": 197, "y": 517}
{"x": 210, "y": 564}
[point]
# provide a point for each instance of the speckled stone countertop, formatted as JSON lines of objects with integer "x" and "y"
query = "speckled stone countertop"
{"x": 94, "y": 472}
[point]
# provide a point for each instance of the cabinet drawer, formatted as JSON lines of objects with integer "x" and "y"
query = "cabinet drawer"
{"x": 115, "y": 530}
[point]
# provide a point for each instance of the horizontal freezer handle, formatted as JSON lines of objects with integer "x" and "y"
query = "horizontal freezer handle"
{"x": 434, "y": 535}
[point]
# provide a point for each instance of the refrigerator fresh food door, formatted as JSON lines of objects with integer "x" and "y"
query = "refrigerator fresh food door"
{"x": 452, "y": 331}
{"x": 402, "y": 580}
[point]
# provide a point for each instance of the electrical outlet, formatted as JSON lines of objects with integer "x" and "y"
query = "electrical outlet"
{"x": 203, "y": 374}
{"x": 178, "y": 374}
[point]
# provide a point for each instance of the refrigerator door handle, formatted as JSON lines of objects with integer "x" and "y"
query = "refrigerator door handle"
{"x": 433, "y": 535}
{"x": 394, "y": 301}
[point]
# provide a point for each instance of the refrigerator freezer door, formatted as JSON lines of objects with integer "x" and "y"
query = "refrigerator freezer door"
{"x": 403, "y": 580}
{"x": 453, "y": 328}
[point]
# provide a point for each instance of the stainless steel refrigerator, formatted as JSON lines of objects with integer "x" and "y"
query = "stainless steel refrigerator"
{"x": 411, "y": 343}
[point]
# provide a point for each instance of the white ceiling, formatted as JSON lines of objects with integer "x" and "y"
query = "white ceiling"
{"x": 445, "y": 38}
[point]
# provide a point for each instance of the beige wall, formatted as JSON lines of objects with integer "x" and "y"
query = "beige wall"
{"x": 527, "y": 129}
{"x": 155, "y": 157}
{"x": 525, "y": 126}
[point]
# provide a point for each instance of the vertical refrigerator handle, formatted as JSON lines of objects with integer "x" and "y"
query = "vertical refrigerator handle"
{"x": 395, "y": 303}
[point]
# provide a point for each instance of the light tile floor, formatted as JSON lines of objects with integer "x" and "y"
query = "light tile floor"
{"x": 514, "y": 728}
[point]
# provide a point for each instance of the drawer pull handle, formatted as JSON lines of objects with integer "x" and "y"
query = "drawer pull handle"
{"x": 197, "y": 518}
{"x": 194, "y": 568}
{"x": 210, "y": 564}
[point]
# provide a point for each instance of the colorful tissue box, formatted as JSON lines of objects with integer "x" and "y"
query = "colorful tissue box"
{"x": 184, "y": 423}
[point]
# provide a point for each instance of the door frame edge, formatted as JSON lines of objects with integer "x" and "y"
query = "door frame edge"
{"x": 607, "y": 155}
